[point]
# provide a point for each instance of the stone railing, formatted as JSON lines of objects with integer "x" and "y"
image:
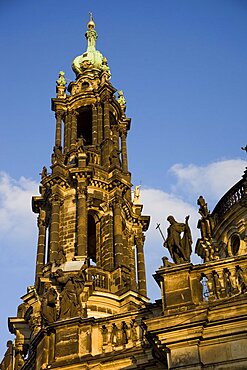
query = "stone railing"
{"x": 100, "y": 279}
{"x": 232, "y": 197}
{"x": 93, "y": 158}
{"x": 188, "y": 284}
{"x": 223, "y": 282}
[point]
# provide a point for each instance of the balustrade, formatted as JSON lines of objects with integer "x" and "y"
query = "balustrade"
{"x": 233, "y": 196}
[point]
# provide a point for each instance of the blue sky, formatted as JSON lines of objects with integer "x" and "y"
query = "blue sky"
{"x": 182, "y": 67}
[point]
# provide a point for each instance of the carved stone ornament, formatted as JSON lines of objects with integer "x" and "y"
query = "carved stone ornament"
{"x": 178, "y": 246}
{"x": 70, "y": 301}
{"x": 49, "y": 306}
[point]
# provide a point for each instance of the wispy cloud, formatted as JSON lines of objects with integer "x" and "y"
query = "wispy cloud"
{"x": 17, "y": 222}
{"x": 211, "y": 181}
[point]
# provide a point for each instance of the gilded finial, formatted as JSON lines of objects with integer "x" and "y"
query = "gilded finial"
{"x": 61, "y": 80}
{"x": 91, "y": 23}
{"x": 121, "y": 99}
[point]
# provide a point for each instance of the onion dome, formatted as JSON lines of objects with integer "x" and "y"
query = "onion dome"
{"x": 92, "y": 58}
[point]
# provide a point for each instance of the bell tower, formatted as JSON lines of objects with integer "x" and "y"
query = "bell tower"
{"x": 85, "y": 210}
{"x": 89, "y": 297}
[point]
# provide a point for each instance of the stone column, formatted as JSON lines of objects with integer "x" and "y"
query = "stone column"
{"x": 54, "y": 228}
{"x": 73, "y": 130}
{"x": 106, "y": 119}
{"x": 66, "y": 132}
{"x": 124, "y": 151}
{"x": 115, "y": 137}
{"x": 141, "y": 274}
{"x": 82, "y": 220}
{"x": 131, "y": 244}
{"x": 100, "y": 128}
{"x": 40, "y": 261}
{"x": 117, "y": 233}
{"x": 94, "y": 125}
{"x": 59, "y": 117}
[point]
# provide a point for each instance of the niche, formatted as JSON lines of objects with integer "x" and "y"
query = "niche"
{"x": 91, "y": 232}
{"x": 84, "y": 125}
{"x": 235, "y": 244}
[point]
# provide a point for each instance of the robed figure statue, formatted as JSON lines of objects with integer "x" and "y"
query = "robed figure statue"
{"x": 179, "y": 246}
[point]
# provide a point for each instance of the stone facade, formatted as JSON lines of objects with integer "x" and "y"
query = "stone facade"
{"x": 88, "y": 308}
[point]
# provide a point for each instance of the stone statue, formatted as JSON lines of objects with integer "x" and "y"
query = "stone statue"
{"x": 48, "y": 306}
{"x": 43, "y": 172}
{"x": 114, "y": 334}
{"x": 114, "y": 158}
{"x": 124, "y": 335}
{"x": 205, "y": 224}
{"x": 81, "y": 142}
{"x": 61, "y": 79}
{"x": 61, "y": 256}
{"x": 91, "y": 34}
{"x": 104, "y": 332}
{"x": 241, "y": 280}
{"x": 137, "y": 193}
{"x": 57, "y": 155}
{"x": 133, "y": 331}
{"x": 105, "y": 67}
{"x": 179, "y": 247}
{"x": 70, "y": 303}
{"x": 121, "y": 99}
{"x": 7, "y": 362}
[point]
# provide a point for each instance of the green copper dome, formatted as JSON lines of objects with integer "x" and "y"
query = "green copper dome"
{"x": 92, "y": 58}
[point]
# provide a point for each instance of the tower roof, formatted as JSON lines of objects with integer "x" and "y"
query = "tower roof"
{"x": 92, "y": 58}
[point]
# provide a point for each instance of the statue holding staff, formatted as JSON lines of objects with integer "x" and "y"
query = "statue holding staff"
{"x": 178, "y": 245}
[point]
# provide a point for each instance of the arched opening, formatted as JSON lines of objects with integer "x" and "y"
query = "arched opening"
{"x": 112, "y": 119}
{"x": 235, "y": 244}
{"x": 84, "y": 125}
{"x": 91, "y": 232}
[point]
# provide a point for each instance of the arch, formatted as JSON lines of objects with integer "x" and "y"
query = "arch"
{"x": 92, "y": 240}
{"x": 84, "y": 125}
{"x": 235, "y": 244}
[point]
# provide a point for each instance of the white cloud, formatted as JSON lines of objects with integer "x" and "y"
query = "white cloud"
{"x": 17, "y": 222}
{"x": 211, "y": 181}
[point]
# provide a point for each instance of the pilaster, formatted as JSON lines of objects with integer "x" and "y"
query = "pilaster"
{"x": 141, "y": 273}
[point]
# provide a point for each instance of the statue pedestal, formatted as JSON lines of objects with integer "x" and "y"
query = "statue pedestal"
{"x": 174, "y": 282}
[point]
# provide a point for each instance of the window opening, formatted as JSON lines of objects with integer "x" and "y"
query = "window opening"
{"x": 235, "y": 244}
{"x": 91, "y": 226}
{"x": 205, "y": 290}
{"x": 84, "y": 126}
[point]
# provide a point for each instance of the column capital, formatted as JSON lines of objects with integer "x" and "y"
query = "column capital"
{"x": 56, "y": 199}
{"x": 81, "y": 190}
{"x": 41, "y": 220}
{"x": 74, "y": 113}
{"x": 59, "y": 114}
{"x": 139, "y": 239}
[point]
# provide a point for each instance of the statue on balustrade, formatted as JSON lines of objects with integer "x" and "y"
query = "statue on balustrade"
{"x": 205, "y": 224}
{"x": 179, "y": 240}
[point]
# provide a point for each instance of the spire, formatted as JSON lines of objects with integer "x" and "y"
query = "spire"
{"x": 92, "y": 58}
{"x": 91, "y": 35}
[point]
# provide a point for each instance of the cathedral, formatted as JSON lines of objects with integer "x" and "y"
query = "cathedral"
{"x": 88, "y": 307}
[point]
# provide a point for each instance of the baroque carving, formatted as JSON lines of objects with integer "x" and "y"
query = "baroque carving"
{"x": 43, "y": 173}
{"x": 114, "y": 158}
{"x": 178, "y": 246}
{"x": 57, "y": 155}
{"x": 70, "y": 301}
{"x": 49, "y": 305}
